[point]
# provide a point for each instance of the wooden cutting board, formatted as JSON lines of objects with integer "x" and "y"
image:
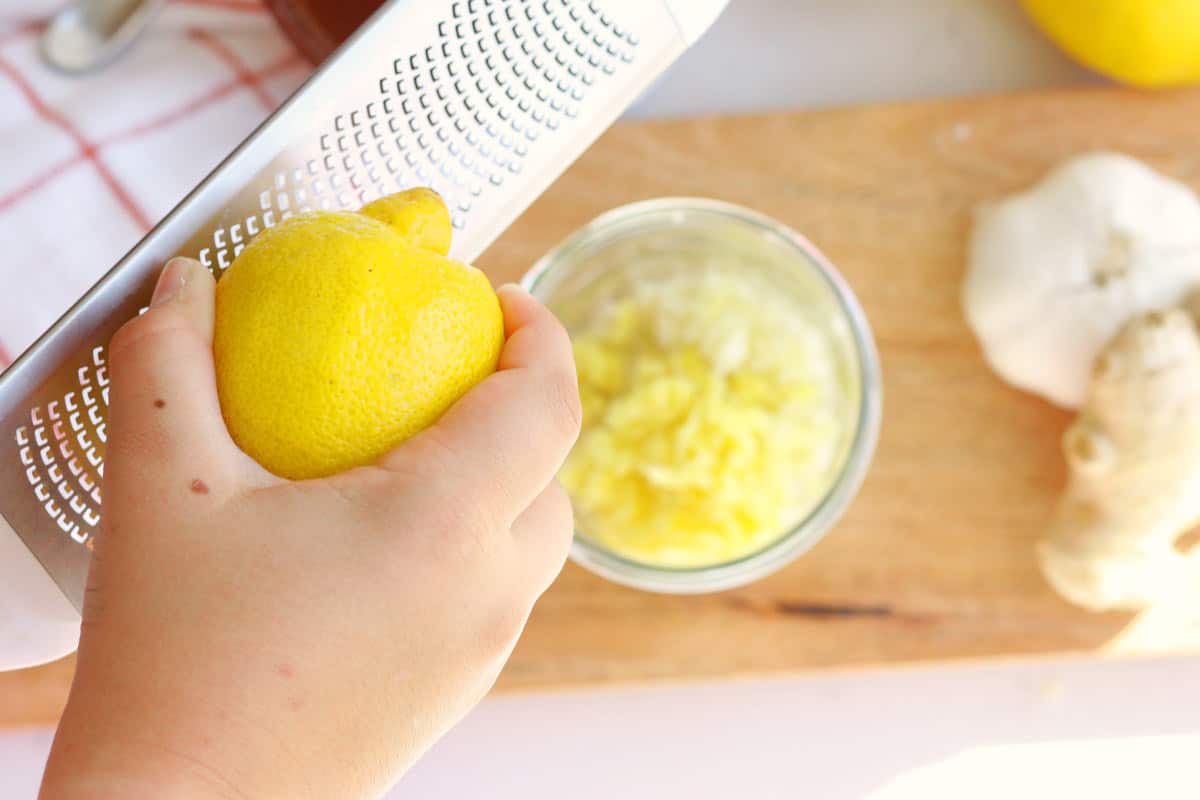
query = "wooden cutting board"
{"x": 934, "y": 561}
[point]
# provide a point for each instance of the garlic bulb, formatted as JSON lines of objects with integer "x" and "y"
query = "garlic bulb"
{"x": 1055, "y": 272}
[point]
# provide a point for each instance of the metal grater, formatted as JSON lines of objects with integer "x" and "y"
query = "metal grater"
{"x": 487, "y": 101}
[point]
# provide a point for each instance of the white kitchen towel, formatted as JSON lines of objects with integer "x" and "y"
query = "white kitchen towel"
{"x": 88, "y": 164}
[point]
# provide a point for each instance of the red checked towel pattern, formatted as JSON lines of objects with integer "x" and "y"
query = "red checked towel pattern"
{"x": 88, "y": 164}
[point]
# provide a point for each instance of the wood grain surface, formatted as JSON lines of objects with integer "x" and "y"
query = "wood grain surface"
{"x": 935, "y": 560}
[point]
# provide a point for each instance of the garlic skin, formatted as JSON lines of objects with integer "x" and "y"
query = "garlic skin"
{"x": 1134, "y": 460}
{"x": 1055, "y": 272}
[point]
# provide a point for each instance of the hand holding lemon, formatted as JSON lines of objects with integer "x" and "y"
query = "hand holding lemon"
{"x": 248, "y": 635}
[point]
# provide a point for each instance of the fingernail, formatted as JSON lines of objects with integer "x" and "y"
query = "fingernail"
{"x": 170, "y": 282}
{"x": 512, "y": 287}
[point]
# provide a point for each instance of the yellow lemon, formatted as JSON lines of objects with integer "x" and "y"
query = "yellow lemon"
{"x": 339, "y": 335}
{"x": 1150, "y": 43}
{"x": 418, "y": 215}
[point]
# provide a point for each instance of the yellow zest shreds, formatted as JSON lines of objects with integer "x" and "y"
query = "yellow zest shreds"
{"x": 713, "y": 420}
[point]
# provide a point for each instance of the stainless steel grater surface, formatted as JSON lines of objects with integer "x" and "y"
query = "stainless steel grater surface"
{"x": 487, "y": 101}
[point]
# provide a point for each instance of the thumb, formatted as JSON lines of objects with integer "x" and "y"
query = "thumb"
{"x": 165, "y": 424}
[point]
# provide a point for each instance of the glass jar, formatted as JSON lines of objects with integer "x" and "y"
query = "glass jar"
{"x": 652, "y": 240}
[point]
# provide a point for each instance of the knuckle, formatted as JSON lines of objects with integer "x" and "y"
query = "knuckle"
{"x": 427, "y": 456}
{"x": 502, "y": 628}
{"x": 553, "y": 511}
{"x": 554, "y": 541}
{"x": 124, "y": 341}
{"x": 561, "y": 387}
{"x": 144, "y": 335}
{"x": 459, "y": 532}
{"x": 564, "y": 513}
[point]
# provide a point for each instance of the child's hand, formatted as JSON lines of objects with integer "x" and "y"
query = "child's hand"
{"x": 244, "y": 636}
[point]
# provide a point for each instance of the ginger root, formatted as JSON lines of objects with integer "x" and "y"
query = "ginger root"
{"x": 1134, "y": 461}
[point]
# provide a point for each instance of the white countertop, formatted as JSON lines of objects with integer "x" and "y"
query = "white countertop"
{"x": 1060, "y": 729}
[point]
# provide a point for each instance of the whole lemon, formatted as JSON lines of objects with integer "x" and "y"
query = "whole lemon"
{"x": 1150, "y": 43}
{"x": 339, "y": 335}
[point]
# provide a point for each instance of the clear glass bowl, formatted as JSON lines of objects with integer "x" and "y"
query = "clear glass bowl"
{"x": 660, "y": 235}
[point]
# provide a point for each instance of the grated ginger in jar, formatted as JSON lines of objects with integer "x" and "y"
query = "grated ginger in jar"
{"x": 713, "y": 419}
